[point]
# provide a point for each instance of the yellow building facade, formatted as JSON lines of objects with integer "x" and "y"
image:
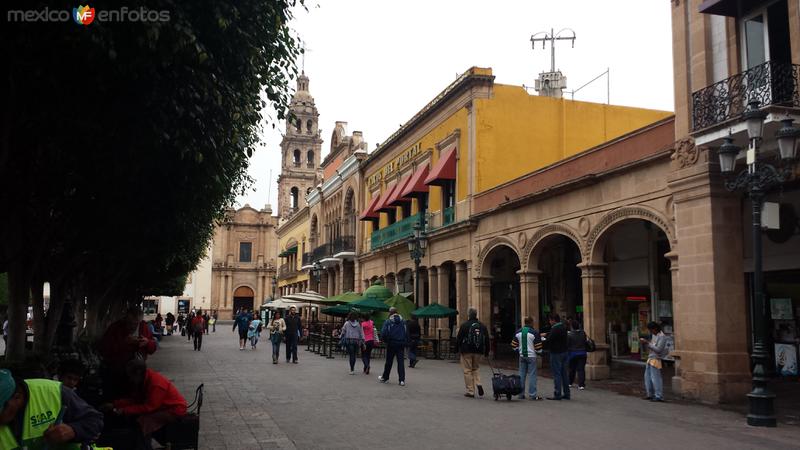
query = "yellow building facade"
{"x": 292, "y": 244}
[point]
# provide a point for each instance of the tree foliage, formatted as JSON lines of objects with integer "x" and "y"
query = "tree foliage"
{"x": 122, "y": 142}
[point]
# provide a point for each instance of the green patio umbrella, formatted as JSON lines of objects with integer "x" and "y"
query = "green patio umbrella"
{"x": 434, "y": 311}
{"x": 404, "y": 308}
{"x": 346, "y": 297}
{"x": 338, "y": 310}
{"x": 370, "y": 304}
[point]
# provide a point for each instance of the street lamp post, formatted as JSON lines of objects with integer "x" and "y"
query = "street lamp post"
{"x": 756, "y": 180}
{"x": 417, "y": 244}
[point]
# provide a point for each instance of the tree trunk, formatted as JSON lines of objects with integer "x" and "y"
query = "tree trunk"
{"x": 18, "y": 290}
{"x": 53, "y": 317}
{"x": 39, "y": 319}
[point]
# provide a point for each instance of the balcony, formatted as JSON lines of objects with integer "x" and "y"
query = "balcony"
{"x": 394, "y": 232}
{"x": 287, "y": 271}
{"x": 308, "y": 260}
{"x": 344, "y": 247}
{"x": 769, "y": 84}
{"x": 322, "y": 252}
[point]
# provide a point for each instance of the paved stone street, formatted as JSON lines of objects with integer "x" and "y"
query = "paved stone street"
{"x": 251, "y": 403}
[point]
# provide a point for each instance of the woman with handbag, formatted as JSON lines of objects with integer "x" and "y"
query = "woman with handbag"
{"x": 276, "y": 329}
{"x": 352, "y": 337}
{"x": 576, "y": 339}
{"x": 369, "y": 341}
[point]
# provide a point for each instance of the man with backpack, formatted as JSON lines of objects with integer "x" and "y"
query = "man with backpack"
{"x": 473, "y": 341}
{"x": 197, "y": 327}
{"x": 242, "y": 322}
{"x": 395, "y": 336}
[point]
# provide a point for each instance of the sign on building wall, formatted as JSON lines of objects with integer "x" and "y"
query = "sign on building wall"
{"x": 402, "y": 160}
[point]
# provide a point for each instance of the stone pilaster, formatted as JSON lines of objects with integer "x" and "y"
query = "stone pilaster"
{"x": 529, "y": 295}
{"x": 593, "y": 280}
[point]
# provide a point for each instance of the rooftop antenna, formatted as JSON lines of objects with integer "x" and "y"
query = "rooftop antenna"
{"x": 552, "y": 83}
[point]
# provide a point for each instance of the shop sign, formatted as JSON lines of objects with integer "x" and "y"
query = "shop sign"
{"x": 402, "y": 160}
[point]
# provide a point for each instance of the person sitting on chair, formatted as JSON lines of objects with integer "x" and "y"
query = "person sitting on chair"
{"x": 40, "y": 413}
{"x": 154, "y": 401}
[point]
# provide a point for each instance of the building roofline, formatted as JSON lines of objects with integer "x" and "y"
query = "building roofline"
{"x": 473, "y": 75}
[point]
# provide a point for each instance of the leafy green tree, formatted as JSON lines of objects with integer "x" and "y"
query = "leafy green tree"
{"x": 122, "y": 142}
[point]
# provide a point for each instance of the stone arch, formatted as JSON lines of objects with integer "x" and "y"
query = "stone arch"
{"x": 487, "y": 249}
{"x": 595, "y": 242}
{"x": 535, "y": 245}
{"x": 244, "y": 290}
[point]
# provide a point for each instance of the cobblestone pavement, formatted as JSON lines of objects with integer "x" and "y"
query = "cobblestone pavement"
{"x": 251, "y": 403}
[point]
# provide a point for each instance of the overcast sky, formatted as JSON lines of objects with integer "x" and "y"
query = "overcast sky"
{"x": 374, "y": 64}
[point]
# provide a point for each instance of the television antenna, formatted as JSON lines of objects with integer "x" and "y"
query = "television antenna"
{"x": 543, "y": 37}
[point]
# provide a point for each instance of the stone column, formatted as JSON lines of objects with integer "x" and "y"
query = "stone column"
{"x": 710, "y": 304}
{"x": 331, "y": 283}
{"x": 593, "y": 279}
{"x": 483, "y": 301}
{"x": 529, "y": 295}
{"x": 390, "y": 283}
{"x": 443, "y": 275}
{"x": 433, "y": 283}
{"x": 340, "y": 277}
{"x": 462, "y": 291}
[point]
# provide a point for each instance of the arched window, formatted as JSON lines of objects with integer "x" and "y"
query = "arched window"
{"x": 310, "y": 158}
{"x": 309, "y": 125}
{"x": 298, "y": 125}
{"x": 297, "y": 157}
{"x": 295, "y": 196}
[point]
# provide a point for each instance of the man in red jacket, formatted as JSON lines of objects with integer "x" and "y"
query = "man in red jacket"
{"x": 153, "y": 401}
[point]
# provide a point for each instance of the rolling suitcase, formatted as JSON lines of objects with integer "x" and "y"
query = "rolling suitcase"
{"x": 508, "y": 385}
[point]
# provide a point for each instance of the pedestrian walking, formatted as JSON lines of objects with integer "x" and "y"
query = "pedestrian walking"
{"x": 528, "y": 343}
{"x": 276, "y": 329}
{"x": 198, "y": 325}
{"x": 181, "y": 321}
{"x": 242, "y": 322}
{"x": 206, "y": 319}
{"x": 657, "y": 347}
{"x": 558, "y": 344}
{"x": 395, "y": 336}
{"x": 576, "y": 341}
{"x": 214, "y": 318}
{"x": 369, "y": 341}
{"x": 294, "y": 326}
{"x": 170, "y": 321}
{"x": 414, "y": 335}
{"x": 473, "y": 341}
{"x": 352, "y": 338}
{"x": 189, "y": 332}
{"x": 5, "y": 334}
{"x": 254, "y": 332}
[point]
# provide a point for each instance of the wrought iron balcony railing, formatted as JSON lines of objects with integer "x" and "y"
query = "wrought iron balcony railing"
{"x": 344, "y": 244}
{"x": 770, "y": 83}
{"x": 322, "y": 252}
{"x": 287, "y": 271}
{"x": 394, "y": 232}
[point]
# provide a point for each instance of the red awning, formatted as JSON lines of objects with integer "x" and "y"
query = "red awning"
{"x": 416, "y": 185}
{"x": 370, "y": 213}
{"x": 384, "y": 205}
{"x": 445, "y": 168}
{"x": 396, "y": 199}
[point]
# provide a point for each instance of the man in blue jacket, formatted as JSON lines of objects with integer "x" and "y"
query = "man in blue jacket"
{"x": 242, "y": 322}
{"x": 395, "y": 336}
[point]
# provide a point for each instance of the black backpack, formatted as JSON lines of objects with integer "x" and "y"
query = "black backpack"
{"x": 474, "y": 340}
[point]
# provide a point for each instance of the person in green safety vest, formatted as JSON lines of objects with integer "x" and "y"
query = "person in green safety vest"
{"x": 40, "y": 413}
